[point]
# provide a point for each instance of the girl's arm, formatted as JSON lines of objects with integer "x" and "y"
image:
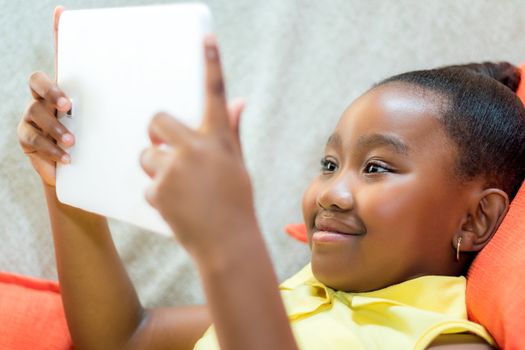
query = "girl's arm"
{"x": 202, "y": 189}
{"x": 101, "y": 305}
{"x": 466, "y": 346}
{"x": 215, "y": 221}
{"x": 461, "y": 341}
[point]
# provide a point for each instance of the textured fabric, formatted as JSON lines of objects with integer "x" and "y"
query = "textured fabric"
{"x": 408, "y": 315}
{"x": 297, "y": 63}
{"x": 31, "y": 315}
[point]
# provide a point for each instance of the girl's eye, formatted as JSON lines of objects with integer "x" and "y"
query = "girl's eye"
{"x": 328, "y": 166}
{"x": 376, "y": 168}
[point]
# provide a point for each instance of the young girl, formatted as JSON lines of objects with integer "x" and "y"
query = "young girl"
{"x": 415, "y": 180}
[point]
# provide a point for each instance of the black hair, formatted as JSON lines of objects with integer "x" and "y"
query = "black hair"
{"x": 483, "y": 116}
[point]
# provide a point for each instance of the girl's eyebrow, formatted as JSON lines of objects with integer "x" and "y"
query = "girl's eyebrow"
{"x": 372, "y": 141}
{"x": 334, "y": 140}
{"x": 378, "y": 140}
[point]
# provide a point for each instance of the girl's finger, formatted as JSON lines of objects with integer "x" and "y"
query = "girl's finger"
{"x": 44, "y": 118}
{"x": 164, "y": 129}
{"x": 43, "y": 88}
{"x": 152, "y": 159}
{"x": 215, "y": 111}
{"x": 33, "y": 141}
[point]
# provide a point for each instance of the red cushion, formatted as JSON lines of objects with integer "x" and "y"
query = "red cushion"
{"x": 297, "y": 231}
{"x": 31, "y": 315}
{"x": 496, "y": 280}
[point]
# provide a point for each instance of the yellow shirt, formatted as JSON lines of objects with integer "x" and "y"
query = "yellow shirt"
{"x": 408, "y": 315}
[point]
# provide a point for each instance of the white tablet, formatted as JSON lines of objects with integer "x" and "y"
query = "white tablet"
{"x": 120, "y": 66}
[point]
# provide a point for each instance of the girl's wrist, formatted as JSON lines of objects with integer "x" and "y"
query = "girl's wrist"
{"x": 54, "y": 204}
{"x": 232, "y": 246}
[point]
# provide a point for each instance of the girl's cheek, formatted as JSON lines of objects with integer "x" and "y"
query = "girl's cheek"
{"x": 387, "y": 207}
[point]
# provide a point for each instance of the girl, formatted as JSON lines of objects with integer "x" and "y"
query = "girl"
{"x": 415, "y": 180}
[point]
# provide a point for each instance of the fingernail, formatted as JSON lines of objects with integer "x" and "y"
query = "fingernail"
{"x": 67, "y": 138}
{"x": 66, "y": 159}
{"x": 62, "y": 102}
{"x": 211, "y": 47}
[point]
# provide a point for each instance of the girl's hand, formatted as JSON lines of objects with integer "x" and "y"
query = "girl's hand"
{"x": 40, "y": 134}
{"x": 200, "y": 184}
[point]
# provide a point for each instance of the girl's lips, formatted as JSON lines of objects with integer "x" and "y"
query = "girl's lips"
{"x": 348, "y": 225}
{"x": 332, "y": 236}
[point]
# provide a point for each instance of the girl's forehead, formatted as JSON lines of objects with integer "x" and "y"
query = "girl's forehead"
{"x": 402, "y": 112}
{"x": 399, "y": 98}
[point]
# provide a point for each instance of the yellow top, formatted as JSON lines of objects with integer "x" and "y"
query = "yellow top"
{"x": 408, "y": 315}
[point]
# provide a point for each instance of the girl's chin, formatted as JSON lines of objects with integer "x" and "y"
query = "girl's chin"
{"x": 332, "y": 273}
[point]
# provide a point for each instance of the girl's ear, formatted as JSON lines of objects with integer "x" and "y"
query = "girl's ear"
{"x": 487, "y": 211}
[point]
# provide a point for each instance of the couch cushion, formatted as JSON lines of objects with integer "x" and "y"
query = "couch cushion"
{"x": 31, "y": 314}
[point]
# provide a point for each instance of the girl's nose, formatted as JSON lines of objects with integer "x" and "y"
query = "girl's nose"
{"x": 336, "y": 195}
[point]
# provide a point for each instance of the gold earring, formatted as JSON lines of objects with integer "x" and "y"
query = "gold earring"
{"x": 457, "y": 248}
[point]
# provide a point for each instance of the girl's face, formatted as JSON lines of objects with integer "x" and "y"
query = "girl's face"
{"x": 386, "y": 204}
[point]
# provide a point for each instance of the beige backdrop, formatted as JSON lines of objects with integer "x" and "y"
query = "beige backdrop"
{"x": 298, "y": 64}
